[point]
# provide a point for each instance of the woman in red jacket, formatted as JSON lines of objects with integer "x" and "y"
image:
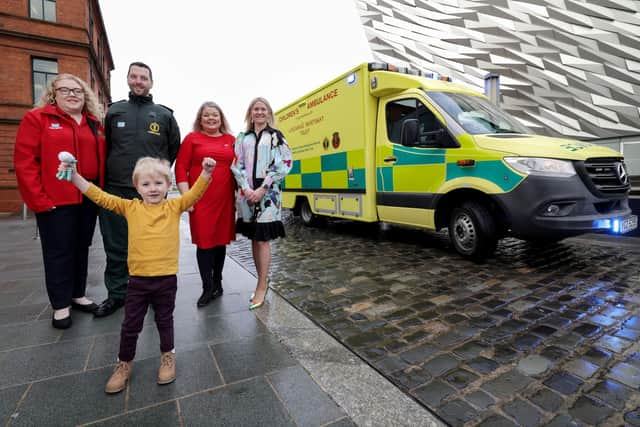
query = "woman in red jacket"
{"x": 67, "y": 118}
{"x": 212, "y": 219}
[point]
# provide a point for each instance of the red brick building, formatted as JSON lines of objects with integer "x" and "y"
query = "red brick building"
{"x": 38, "y": 40}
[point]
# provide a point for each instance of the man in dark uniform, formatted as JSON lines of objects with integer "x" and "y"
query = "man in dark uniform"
{"x": 134, "y": 128}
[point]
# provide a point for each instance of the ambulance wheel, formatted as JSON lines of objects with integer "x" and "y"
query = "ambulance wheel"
{"x": 472, "y": 230}
{"x": 306, "y": 214}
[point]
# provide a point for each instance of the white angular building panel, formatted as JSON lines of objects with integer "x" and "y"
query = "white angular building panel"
{"x": 567, "y": 67}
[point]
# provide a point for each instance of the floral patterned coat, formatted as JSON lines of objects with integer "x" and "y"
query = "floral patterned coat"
{"x": 261, "y": 160}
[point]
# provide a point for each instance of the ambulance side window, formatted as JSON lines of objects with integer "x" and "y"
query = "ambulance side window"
{"x": 402, "y": 109}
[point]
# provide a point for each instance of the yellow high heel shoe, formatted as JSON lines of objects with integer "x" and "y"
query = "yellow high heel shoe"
{"x": 253, "y": 306}
{"x": 253, "y": 294}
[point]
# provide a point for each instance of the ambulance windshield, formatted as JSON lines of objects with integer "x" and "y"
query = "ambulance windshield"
{"x": 476, "y": 115}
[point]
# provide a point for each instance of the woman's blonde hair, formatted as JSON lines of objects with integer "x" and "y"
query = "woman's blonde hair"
{"x": 247, "y": 116}
{"x": 91, "y": 104}
{"x": 151, "y": 166}
{"x": 224, "y": 125}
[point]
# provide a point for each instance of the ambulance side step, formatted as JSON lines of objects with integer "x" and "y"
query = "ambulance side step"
{"x": 349, "y": 205}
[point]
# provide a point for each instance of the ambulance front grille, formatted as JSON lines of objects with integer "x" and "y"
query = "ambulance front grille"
{"x": 607, "y": 176}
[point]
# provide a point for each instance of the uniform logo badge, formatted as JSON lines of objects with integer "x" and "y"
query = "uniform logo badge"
{"x": 120, "y": 124}
{"x": 55, "y": 126}
{"x": 154, "y": 128}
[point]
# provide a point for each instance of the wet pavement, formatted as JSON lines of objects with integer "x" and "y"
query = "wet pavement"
{"x": 235, "y": 367}
{"x": 533, "y": 336}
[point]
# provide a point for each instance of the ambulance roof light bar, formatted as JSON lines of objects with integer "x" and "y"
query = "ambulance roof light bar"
{"x": 382, "y": 66}
{"x": 437, "y": 76}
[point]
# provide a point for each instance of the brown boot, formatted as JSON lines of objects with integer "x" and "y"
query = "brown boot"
{"x": 119, "y": 378}
{"x": 167, "y": 371}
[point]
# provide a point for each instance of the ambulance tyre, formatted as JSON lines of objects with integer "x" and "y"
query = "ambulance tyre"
{"x": 306, "y": 214}
{"x": 472, "y": 230}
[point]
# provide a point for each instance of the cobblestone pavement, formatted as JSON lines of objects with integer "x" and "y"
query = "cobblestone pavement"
{"x": 533, "y": 336}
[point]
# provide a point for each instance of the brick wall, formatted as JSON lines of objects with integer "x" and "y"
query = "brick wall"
{"x": 15, "y": 7}
{"x": 67, "y": 41}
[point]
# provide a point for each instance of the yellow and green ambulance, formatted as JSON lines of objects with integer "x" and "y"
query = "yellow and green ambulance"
{"x": 388, "y": 144}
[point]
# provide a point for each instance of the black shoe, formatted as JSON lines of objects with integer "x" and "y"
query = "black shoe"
{"x": 217, "y": 292}
{"x": 61, "y": 323}
{"x": 205, "y": 298}
{"x": 217, "y": 289}
{"x": 108, "y": 306}
{"x": 87, "y": 308}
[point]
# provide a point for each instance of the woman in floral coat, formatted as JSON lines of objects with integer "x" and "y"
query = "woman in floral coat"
{"x": 263, "y": 160}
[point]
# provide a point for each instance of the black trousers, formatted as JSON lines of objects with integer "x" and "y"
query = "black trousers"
{"x": 210, "y": 264}
{"x": 66, "y": 234}
{"x": 115, "y": 237}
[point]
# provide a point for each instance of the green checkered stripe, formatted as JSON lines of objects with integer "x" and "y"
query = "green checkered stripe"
{"x": 390, "y": 178}
{"x": 336, "y": 171}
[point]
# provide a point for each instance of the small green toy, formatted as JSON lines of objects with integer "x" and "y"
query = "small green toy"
{"x": 66, "y": 157}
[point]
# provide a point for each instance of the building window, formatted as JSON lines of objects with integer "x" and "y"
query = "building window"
{"x": 90, "y": 21}
{"x": 43, "y": 9}
{"x": 44, "y": 71}
{"x": 99, "y": 59}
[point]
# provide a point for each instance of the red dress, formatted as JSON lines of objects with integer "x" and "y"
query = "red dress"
{"x": 213, "y": 218}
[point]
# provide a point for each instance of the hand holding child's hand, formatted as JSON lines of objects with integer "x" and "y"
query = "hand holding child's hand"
{"x": 208, "y": 164}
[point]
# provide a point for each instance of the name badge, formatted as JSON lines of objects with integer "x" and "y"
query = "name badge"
{"x": 55, "y": 126}
{"x": 120, "y": 124}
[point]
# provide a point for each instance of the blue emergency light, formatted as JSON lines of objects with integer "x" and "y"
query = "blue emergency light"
{"x": 615, "y": 226}
{"x": 612, "y": 225}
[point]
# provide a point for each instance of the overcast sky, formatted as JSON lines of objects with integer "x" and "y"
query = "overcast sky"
{"x": 232, "y": 51}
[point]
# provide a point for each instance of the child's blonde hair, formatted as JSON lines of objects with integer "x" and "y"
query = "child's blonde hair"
{"x": 152, "y": 166}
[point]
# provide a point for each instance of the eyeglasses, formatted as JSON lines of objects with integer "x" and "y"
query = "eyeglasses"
{"x": 66, "y": 91}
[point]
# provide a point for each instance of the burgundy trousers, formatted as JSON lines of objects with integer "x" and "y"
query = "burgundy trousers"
{"x": 160, "y": 293}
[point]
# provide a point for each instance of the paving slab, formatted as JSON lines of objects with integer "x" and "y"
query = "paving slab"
{"x": 248, "y": 403}
{"x": 307, "y": 404}
{"x": 68, "y": 400}
{"x": 165, "y": 414}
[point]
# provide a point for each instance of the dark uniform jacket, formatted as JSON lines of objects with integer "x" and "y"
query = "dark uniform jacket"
{"x": 138, "y": 128}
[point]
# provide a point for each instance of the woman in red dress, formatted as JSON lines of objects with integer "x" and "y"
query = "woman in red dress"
{"x": 212, "y": 219}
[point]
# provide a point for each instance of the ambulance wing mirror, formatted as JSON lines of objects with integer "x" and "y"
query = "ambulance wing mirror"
{"x": 409, "y": 133}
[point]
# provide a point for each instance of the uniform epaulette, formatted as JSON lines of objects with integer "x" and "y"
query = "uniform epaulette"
{"x": 164, "y": 106}
{"x": 116, "y": 102}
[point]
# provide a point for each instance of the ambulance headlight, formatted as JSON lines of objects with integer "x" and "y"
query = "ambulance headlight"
{"x": 541, "y": 166}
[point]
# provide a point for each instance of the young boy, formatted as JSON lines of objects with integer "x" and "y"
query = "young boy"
{"x": 154, "y": 241}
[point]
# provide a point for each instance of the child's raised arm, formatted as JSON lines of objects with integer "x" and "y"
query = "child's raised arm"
{"x": 189, "y": 198}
